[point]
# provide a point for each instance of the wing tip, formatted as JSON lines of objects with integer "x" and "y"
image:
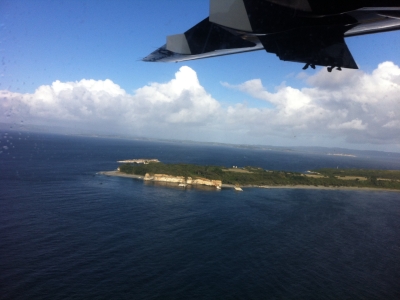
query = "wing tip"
{"x": 161, "y": 54}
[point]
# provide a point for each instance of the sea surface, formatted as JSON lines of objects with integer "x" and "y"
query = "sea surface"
{"x": 67, "y": 232}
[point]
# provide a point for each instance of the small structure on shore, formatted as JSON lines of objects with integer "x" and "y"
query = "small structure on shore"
{"x": 238, "y": 188}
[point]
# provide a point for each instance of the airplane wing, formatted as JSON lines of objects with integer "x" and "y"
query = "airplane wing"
{"x": 306, "y": 31}
{"x": 205, "y": 39}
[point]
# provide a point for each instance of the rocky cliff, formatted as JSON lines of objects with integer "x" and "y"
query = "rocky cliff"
{"x": 165, "y": 178}
{"x": 204, "y": 181}
{"x": 182, "y": 180}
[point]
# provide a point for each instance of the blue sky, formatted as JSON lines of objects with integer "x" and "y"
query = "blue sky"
{"x": 44, "y": 41}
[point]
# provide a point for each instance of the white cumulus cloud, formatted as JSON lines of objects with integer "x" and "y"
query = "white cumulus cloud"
{"x": 103, "y": 105}
{"x": 351, "y": 106}
{"x": 356, "y": 106}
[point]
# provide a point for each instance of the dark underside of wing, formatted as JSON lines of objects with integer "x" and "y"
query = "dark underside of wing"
{"x": 206, "y": 37}
{"x": 313, "y": 35}
{"x": 321, "y": 46}
{"x": 204, "y": 40}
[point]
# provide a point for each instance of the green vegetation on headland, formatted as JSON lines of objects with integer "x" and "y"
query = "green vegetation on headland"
{"x": 253, "y": 176}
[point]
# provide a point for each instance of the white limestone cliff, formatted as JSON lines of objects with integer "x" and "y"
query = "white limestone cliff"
{"x": 182, "y": 180}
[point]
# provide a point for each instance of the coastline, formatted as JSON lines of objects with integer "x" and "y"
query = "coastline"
{"x": 232, "y": 186}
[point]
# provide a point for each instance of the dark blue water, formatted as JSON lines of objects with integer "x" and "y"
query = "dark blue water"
{"x": 69, "y": 233}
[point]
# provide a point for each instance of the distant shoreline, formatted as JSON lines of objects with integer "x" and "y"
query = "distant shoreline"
{"x": 305, "y": 187}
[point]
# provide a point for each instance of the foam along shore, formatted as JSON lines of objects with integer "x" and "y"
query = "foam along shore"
{"x": 120, "y": 174}
{"x": 232, "y": 186}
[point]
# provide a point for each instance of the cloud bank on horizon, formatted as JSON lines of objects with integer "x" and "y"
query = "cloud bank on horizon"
{"x": 351, "y": 106}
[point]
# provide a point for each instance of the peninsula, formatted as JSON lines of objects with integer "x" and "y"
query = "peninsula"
{"x": 220, "y": 177}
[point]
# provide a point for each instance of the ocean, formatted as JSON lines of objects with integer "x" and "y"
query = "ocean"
{"x": 67, "y": 232}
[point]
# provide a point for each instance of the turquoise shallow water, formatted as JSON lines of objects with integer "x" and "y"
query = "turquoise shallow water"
{"x": 69, "y": 233}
